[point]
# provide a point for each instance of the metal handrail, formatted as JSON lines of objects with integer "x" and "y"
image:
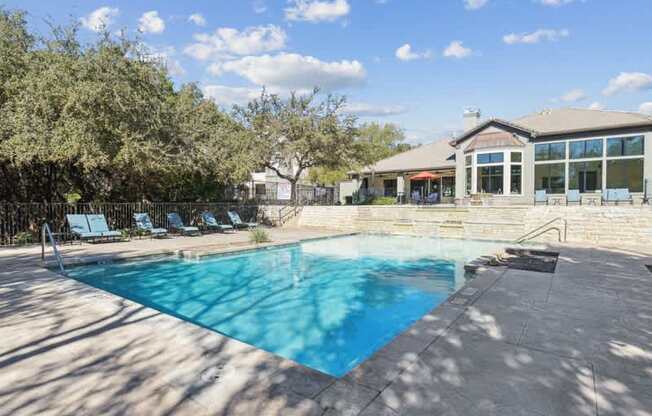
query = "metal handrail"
{"x": 46, "y": 232}
{"x": 531, "y": 234}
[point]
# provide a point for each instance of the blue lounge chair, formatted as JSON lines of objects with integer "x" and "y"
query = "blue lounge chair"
{"x": 433, "y": 198}
{"x": 143, "y": 223}
{"x": 540, "y": 197}
{"x": 98, "y": 224}
{"x": 573, "y": 197}
{"x": 176, "y": 224}
{"x": 237, "y": 222}
{"x": 79, "y": 227}
{"x": 213, "y": 224}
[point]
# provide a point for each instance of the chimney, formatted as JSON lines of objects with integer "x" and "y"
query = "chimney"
{"x": 471, "y": 118}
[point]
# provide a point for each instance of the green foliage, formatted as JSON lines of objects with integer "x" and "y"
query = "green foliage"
{"x": 380, "y": 141}
{"x": 72, "y": 197}
{"x": 105, "y": 119}
{"x": 380, "y": 200}
{"x": 259, "y": 236}
{"x": 23, "y": 238}
{"x": 290, "y": 136}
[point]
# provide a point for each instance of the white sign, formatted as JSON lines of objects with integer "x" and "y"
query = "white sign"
{"x": 284, "y": 191}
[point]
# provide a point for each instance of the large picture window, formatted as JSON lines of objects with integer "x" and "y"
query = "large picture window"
{"x": 550, "y": 177}
{"x": 625, "y": 173}
{"x": 585, "y": 176}
{"x": 516, "y": 179}
{"x": 390, "y": 187}
{"x": 448, "y": 186}
{"x": 490, "y": 179}
{"x": 625, "y": 146}
{"x": 585, "y": 149}
{"x": 550, "y": 151}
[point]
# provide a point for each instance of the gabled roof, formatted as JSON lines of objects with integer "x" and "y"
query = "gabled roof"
{"x": 493, "y": 140}
{"x": 437, "y": 155}
{"x": 563, "y": 121}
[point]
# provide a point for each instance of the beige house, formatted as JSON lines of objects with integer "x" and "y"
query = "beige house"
{"x": 553, "y": 156}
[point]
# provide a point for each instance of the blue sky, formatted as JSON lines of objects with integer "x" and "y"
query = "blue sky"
{"x": 417, "y": 63}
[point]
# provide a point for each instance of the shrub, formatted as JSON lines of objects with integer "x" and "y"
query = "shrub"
{"x": 381, "y": 200}
{"x": 23, "y": 238}
{"x": 258, "y": 236}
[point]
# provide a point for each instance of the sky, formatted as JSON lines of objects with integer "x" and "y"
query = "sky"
{"x": 416, "y": 63}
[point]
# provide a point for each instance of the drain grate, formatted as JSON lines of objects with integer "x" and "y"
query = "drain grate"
{"x": 649, "y": 267}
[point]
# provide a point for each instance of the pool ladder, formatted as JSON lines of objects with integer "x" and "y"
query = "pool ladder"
{"x": 534, "y": 233}
{"x": 46, "y": 233}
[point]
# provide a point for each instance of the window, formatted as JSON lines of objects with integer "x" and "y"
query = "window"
{"x": 448, "y": 186}
{"x": 390, "y": 187}
{"x": 550, "y": 151}
{"x": 468, "y": 160}
{"x": 486, "y": 158}
{"x": 469, "y": 180}
{"x": 585, "y": 149}
{"x": 550, "y": 177}
{"x": 261, "y": 190}
{"x": 490, "y": 179}
{"x": 625, "y": 173}
{"x": 585, "y": 176}
{"x": 625, "y": 146}
{"x": 516, "y": 157}
{"x": 516, "y": 181}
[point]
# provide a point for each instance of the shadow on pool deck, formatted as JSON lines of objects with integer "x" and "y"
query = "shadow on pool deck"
{"x": 575, "y": 342}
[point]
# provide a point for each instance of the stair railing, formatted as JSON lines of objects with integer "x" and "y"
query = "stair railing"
{"x": 46, "y": 234}
{"x": 540, "y": 230}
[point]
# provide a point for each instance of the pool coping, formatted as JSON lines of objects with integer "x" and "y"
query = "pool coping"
{"x": 378, "y": 370}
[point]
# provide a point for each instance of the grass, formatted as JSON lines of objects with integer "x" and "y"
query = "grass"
{"x": 258, "y": 236}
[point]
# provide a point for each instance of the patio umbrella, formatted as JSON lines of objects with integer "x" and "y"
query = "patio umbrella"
{"x": 424, "y": 176}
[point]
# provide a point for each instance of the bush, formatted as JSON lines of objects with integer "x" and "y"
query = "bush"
{"x": 258, "y": 236}
{"x": 23, "y": 238}
{"x": 381, "y": 200}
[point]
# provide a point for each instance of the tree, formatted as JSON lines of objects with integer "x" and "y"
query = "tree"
{"x": 374, "y": 142}
{"x": 291, "y": 135}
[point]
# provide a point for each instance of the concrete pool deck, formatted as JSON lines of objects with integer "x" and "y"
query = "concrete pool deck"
{"x": 512, "y": 342}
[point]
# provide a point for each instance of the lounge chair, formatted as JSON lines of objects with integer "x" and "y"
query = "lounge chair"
{"x": 143, "y": 223}
{"x": 213, "y": 224}
{"x": 97, "y": 223}
{"x": 617, "y": 195}
{"x": 540, "y": 197}
{"x": 79, "y": 227}
{"x": 176, "y": 224}
{"x": 237, "y": 222}
{"x": 573, "y": 197}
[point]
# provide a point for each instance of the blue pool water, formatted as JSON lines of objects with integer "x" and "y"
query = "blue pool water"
{"x": 327, "y": 304}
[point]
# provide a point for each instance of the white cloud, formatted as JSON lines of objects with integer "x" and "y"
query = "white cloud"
{"x": 100, "y": 19}
{"x": 405, "y": 53}
{"x": 574, "y": 95}
{"x": 474, "y": 4}
{"x": 165, "y": 56}
{"x": 227, "y": 96}
{"x": 457, "y": 50}
{"x": 198, "y": 19}
{"x": 555, "y": 3}
{"x": 227, "y": 41}
{"x": 371, "y": 110}
{"x": 646, "y": 108}
{"x": 596, "y": 106}
{"x": 536, "y": 37}
{"x": 151, "y": 22}
{"x": 317, "y": 10}
{"x": 259, "y": 6}
{"x": 290, "y": 71}
{"x": 628, "y": 81}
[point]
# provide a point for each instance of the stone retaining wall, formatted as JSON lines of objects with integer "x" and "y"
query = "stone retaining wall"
{"x": 601, "y": 224}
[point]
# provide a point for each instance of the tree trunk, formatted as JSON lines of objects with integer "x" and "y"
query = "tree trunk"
{"x": 293, "y": 194}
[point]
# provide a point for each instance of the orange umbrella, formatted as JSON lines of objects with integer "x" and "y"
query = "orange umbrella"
{"x": 424, "y": 176}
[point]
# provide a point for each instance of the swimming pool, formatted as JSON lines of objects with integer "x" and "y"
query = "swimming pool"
{"x": 327, "y": 304}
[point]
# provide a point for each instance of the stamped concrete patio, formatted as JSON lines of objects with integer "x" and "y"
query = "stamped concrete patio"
{"x": 509, "y": 343}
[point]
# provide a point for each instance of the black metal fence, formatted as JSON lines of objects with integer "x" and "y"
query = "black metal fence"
{"x": 306, "y": 195}
{"x": 21, "y": 223}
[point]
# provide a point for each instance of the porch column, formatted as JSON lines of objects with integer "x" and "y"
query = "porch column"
{"x": 400, "y": 188}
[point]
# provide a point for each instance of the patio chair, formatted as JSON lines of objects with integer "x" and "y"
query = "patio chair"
{"x": 143, "y": 223}
{"x": 433, "y": 198}
{"x": 176, "y": 225}
{"x": 79, "y": 227}
{"x": 212, "y": 223}
{"x": 416, "y": 197}
{"x": 540, "y": 197}
{"x": 237, "y": 222}
{"x": 97, "y": 223}
{"x": 573, "y": 197}
{"x": 623, "y": 195}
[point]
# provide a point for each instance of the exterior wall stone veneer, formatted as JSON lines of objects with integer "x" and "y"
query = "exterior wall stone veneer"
{"x": 602, "y": 225}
